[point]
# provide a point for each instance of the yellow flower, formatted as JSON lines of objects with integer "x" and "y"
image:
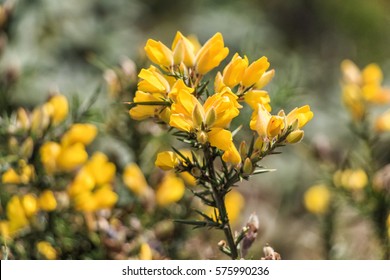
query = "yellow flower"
{"x": 234, "y": 203}
{"x": 233, "y": 72}
{"x": 158, "y": 53}
{"x": 232, "y": 155}
{"x": 352, "y": 179}
{"x": 206, "y": 121}
{"x": 166, "y": 160}
{"x": 30, "y": 205}
{"x": 105, "y": 197}
{"x": 57, "y": 108}
{"x": 145, "y": 252}
{"x": 47, "y": 250}
{"x": 83, "y": 133}
{"x": 354, "y": 102}
{"x": 26, "y": 174}
{"x": 83, "y": 182}
{"x": 16, "y": 215}
{"x": 184, "y": 50}
{"x": 266, "y": 125}
{"x": 302, "y": 114}
{"x": 364, "y": 85}
{"x": 10, "y": 177}
{"x": 254, "y": 72}
{"x": 382, "y": 123}
{"x": 255, "y": 97}
{"x": 134, "y": 179}
{"x": 4, "y": 230}
{"x": 188, "y": 178}
{"x": 170, "y": 190}
{"x": 47, "y": 201}
{"x": 49, "y": 153}
{"x": 100, "y": 168}
{"x": 153, "y": 81}
{"x": 165, "y": 94}
{"x": 72, "y": 157}
{"x": 317, "y": 199}
{"x": 210, "y": 54}
{"x": 91, "y": 189}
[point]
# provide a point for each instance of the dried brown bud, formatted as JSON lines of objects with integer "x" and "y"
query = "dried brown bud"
{"x": 270, "y": 254}
{"x": 251, "y": 229}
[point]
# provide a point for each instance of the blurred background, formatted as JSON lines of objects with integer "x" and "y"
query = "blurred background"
{"x": 66, "y": 46}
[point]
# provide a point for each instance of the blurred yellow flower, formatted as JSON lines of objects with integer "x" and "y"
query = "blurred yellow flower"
{"x": 104, "y": 197}
{"x": 234, "y": 202}
{"x": 10, "y": 177}
{"x": 47, "y": 250}
{"x": 49, "y": 153}
{"x": 4, "y": 229}
{"x": 47, "y": 201}
{"x": 166, "y": 160}
{"x": 145, "y": 252}
{"x": 188, "y": 178}
{"x": 353, "y": 179}
{"x": 91, "y": 190}
{"x": 83, "y": 133}
{"x": 354, "y": 102}
{"x": 57, "y": 108}
{"x": 72, "y": 157}
{"x": 382, "y": 123}
{"x": 16, "y": 216}
{"x": 134, "y": 179}
{"x": 26, "y": 174}
{"x": 317, "y": 199}
{"x": 100, "y": 168}
{"x": 361, "y": 87}
{"x": 170, "y": 190}
{"x": 30, "y": 205}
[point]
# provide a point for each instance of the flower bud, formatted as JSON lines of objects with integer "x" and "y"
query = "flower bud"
{"x": 211, "y": 116}
{"x": 196, "y": 172}
{"x": 27, "y": 148}
{"x": 248, "y": 167}
{"x": 13, "y": 145}
{"x": 295, "y": 136}
{"x": 259, "y": 143}
{"x": 243, "y": 149}
{"x": 23, "y": 119}
{"x": 197, "y": 116}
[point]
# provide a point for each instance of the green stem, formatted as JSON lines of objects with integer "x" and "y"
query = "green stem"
{"x": 219, "y": 197}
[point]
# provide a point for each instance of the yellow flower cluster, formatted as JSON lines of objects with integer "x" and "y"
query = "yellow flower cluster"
{"x": 92, "y": 188}
{"x": 21, "y": 210}
{"x": 362, "y": 87}
{"x": 70, "y": 153}
{"x": 352, "y": 179}
{"x": 23, "y": 175}
{"x": 176, "y": 95}
{"x": 169, "y": 190}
